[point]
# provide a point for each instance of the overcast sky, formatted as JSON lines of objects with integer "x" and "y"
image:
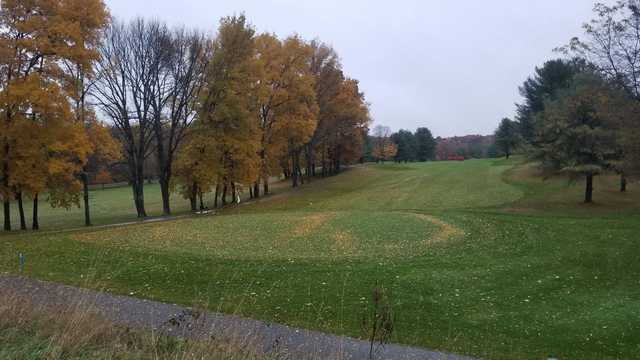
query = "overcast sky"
{"x": 453, "y": 66}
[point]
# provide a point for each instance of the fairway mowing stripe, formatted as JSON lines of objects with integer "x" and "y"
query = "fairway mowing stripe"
{"x": 446, "y": 232}
{"x": 311, "y": 223}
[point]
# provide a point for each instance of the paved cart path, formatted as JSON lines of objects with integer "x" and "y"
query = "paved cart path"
{"x": 181, "y": 321}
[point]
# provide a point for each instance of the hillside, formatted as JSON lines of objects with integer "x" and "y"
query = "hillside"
{"x": 476, "y": 260}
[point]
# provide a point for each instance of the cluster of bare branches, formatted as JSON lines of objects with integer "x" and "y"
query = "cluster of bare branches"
{"x": 148, "y": 80}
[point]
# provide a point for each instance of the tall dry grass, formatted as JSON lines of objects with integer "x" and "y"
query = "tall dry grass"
{"x": 76, "y": 331}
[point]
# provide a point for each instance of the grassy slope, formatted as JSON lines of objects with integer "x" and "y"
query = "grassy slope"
{"x": 532, "y": 273}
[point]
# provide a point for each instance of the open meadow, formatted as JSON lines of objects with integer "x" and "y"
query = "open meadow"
{"x": 481, "y": 257}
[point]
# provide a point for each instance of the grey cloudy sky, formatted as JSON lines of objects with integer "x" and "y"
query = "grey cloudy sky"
{"x": 453, "y": 66}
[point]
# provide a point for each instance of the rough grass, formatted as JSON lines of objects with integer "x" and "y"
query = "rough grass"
{"x": 76, "y": 331}
{"x": 480, "y": 258}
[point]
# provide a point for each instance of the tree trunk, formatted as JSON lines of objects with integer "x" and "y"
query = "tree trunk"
{"x": 215, "y": 198}
{"x": 35, "y": 225}
{"x": 136, "y": 171}
{"x": 85, "y": 190}
{"x": 192, "y": 197}
{"x": 5, "y": 164}
{"x": 163, "y": 165}
{"x": 233, "y": 192}
{"x": 588, "y": 195}
{"x": 308, "y": 157}
{"x": 166, "y": 194}
{"x": 202, "y": 208}
{"x": 300, "y": 173}
{"x": 134, "y": 190}
{"x": 224, "y": 194}
{"x": 138, "y": 197}
{"x": 294, "y": 172}
{"x": 623, "y": 183}
{"x": 193, "y": 203}
{"x": 7, "y": 215}
{"x": 256, "y": 189}
{"x": 23, "y": 222}
{"x": 250, "y": 192}
{"x": 265, "y": 185}
{"x": 142, "y": 213}
{"x": 5, "y": 183}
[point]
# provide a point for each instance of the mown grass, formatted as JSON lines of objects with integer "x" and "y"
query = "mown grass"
{"x": 519, "y": 269}
{"x": 108, "y": 206}
{"x": 111, "y": 205}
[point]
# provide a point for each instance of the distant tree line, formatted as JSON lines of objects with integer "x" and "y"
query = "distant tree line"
{"x": 580, "y": 115}
{"x": 200, "y": 114}
{"x": 402, "y": 146}
{"x": 466, "y": 147}
{"x": 406, "y": 146}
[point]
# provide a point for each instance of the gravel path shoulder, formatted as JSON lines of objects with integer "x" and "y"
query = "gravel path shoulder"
{"x": 185, "y": 322}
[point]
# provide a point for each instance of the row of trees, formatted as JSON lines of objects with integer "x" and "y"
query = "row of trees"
{"x": 581, "y": 116}
{"x": 402, "y": 146}
{"x": 268, "y": 107}
{"x": 223, "y": 114}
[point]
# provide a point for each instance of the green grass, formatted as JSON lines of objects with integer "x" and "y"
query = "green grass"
{"x": 108, "y": 206}
{"x": 479, "y": 257}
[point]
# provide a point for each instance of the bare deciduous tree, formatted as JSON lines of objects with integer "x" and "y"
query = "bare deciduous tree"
{"x": 176, "y": 86}
{"x": 123, "y": 92}
{"x": 149, "y": 81}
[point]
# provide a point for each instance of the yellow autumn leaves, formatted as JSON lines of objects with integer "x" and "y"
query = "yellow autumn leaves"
{"x": 269, "y": 106}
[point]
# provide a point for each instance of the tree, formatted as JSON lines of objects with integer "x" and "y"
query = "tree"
{"x": 575, "y": 137}
{"x": 89, "y": 17}
{"x": 425, "y": 144}
{"x": 44, "y": 148}
{"x": 507, "y": 137}
{"x": 124, "y": 93}
{"x": 628, "y": 135}
{"x": 383, "y": 147}
{"x": 179, "y": 60}
{"x": 389, "y": 151}
{"x": 227, "y": 137}
{"x": 611, "y": 45}
{"x": 543, "y": 86}
{"x": 286, "y": 104}
{"x": 406, "y": 146}
{"x": 327, "y": 70}
{"x": 343, "y": 115}
{"x": 622, "y": 114}
{"x": 350, "y": 125}
{"x": 196, "y": 167}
